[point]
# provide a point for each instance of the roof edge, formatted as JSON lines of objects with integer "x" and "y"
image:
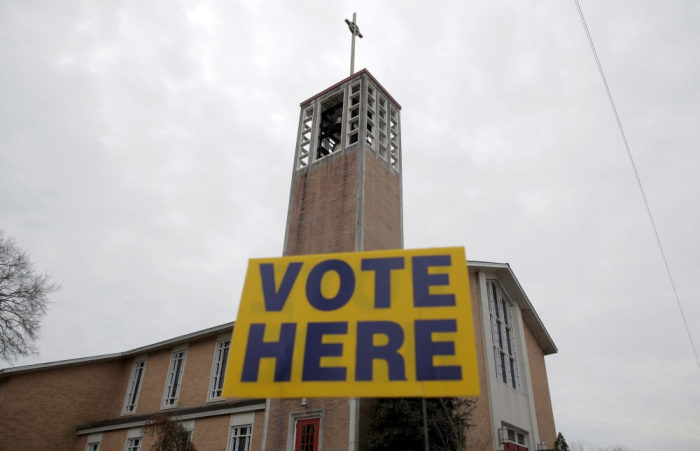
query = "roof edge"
{"x": 530, "y": 316}
{"x": 345, "y": 80}
{"x": 104, "y": 357}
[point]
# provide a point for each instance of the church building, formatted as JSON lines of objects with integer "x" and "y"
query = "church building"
{"x": 345, "y": 195}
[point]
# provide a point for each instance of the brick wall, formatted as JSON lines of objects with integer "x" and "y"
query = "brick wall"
{"x": 197, "y": 374}
{"x": 195, "y": 378}
{"x": 540, "y": 389}
{"x": 336, "y": 418}
{"x": 211, "y": 433}
{"x": 40, "y": 410}
{"x": 382, "y": 220}
{"x": 111, "y": 441}
{"x": 323, "y": 207}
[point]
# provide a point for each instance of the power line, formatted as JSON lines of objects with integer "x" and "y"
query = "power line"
{"x": 639, "y": 183}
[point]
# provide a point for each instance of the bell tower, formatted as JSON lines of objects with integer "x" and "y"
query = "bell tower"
{"x": 345, "y": 196}
{"x": 346, "y": 181}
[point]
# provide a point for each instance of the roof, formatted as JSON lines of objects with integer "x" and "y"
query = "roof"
{"x": 181, "y": 414}
{"x": 505, "y": 274}
{"x": 120, "y": 355}
{"x": 517, "y": 294}
{"x": 345, "y": 80}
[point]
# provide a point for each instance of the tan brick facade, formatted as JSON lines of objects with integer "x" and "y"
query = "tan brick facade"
{"x": 540, "y": 388}
{"x": 323, "y": 207}
{"x": 40, "y": 410}
{"x": 334, "y": 414}
{"x": 382, "y": 206}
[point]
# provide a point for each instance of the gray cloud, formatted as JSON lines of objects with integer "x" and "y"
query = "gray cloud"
{"x": 146, "y": 149}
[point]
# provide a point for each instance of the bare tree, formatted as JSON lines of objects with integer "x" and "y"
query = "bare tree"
{"x": 171, "y": 436}
{"x": 23, "y": 299}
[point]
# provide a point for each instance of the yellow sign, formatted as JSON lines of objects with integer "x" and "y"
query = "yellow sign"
{"x": 367, "y": 324}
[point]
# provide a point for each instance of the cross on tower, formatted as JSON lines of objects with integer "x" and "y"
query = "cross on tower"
{"x": 355, "y": 31}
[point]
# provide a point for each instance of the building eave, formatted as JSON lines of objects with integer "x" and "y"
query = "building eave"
{"x": 345, "y": 80}
{"x": 183, "y": 414}
{"x": 5, "y": 372}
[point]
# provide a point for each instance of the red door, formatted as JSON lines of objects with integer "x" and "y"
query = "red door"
{"x": 307, "y": 435}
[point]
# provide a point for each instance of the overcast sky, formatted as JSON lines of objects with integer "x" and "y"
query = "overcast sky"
{"x": 146, "y": 152}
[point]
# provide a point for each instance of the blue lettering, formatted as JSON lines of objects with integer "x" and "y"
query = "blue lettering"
{"x": 313, "y": 285}
{"x": 382, "y": 277}
{"x": 426, "y": 349}
{"x": 422, "y": 281}
{"x": 257, "y": 349}
{"x": 275, "y": 299}
{"x": 316, "y": 349}
{"x": 367, "y": 352}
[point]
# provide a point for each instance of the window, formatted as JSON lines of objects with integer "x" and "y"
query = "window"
{"x": 133, "y": 444}
{"x": 239, "y": 439}
{"x": 307, "y": 431}
{"x": 331, "y": 125}
{"x": 503, "y": 335}
{"x": 93, "y": 442}
{"x": 174, "y": 380}
{"x": 132, "y": 394}
{"x": 512, "y": 440}
{"x": 219, "y": 368}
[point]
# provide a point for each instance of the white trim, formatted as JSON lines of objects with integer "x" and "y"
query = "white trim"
{"x": 265, "y": 423}
{"x": 188, "y": 425}
{"x": 137, "y": 360}
{"x": 488, "y": 351}
{"x": 93, "y": 439}
{"x": 237, "y": 420}
{"x": 190, "y": 416}
{"x": 134, "y": 433}
{"x": 222, "y": 368}
{"x": 535, "y": 437}
{"x": 512, "y": 286}
{"x": 353, "y": 429}
{"x": 167, "y": 394}
{"x": 304, "y": 415}
{"x": 502, "y": 316}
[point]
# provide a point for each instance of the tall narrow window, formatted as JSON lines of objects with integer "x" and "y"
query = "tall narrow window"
{"x": 174, "y": 380}
{"x": 307, "y": 434}
{"x": 93, "y": 446}
{"x": 134, "y": 388}
{"x": 219, "y": 368}
{"x": 503, "y": 335}
{"x": 239, "y": 439}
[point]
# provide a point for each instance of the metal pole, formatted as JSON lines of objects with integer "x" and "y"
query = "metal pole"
{"x": 352, "y": 47}
{"x": 425, "y": 426}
